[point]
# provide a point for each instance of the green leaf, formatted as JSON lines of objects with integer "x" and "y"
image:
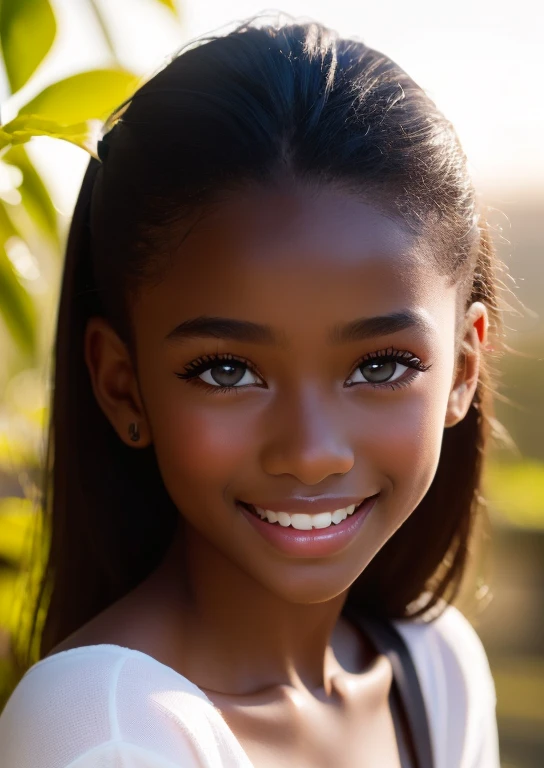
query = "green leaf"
{"x": 35, "y": 196}
{"x": 16, "y": 306}
{"x": 85, "y": 96}
{"x": 27, "y": 31}
{"x": 65, "y": 109}
{"x": 25, "y": 127}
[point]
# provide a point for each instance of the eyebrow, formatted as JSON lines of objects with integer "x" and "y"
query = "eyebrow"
{"x": 205, "y": 327}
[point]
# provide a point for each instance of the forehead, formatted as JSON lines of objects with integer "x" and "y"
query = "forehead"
{"x": 292, "y": 251}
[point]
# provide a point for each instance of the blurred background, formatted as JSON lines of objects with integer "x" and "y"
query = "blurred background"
{"x": 66, "y": 64}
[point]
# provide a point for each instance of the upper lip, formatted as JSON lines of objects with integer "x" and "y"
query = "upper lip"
{"x": 313, "y": 505}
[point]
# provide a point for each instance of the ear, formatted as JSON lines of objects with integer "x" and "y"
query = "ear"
{"x": 114, "y": 381}
{"x": 468, "y": 365}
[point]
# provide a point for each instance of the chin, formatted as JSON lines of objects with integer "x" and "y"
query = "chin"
{"x": 308, "y": 583}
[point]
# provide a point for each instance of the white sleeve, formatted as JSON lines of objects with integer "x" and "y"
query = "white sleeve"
{"x": 482, "y": 747}
{"x": 458, "y": 690}
{"x": 105, "y": 709}
{"x": 122, "y": 754}
{"x": 486, "y": 748}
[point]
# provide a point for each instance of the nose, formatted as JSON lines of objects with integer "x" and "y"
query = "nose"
{"x": 309, "y": 440}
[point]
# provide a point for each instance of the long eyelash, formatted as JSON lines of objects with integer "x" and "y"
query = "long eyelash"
{"x": 389, "y": 355}
{"x": 201, "y": 364}
{"x": 204, "y": 363}
{"x": 392, "y": 355}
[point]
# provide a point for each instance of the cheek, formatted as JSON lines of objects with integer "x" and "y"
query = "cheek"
{"x": 411, "y": 432}
{"x": 201, "y": 449}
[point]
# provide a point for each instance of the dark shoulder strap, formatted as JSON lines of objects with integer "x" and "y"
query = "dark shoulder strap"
{"x": 388, "y": 641}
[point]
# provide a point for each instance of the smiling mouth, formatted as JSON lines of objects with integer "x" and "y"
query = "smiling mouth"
{"x": 304, "y": 522}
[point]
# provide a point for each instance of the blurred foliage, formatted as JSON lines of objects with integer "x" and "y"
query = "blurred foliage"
{"x": 65, "y": 109}
{"x": 31, "y": 248}
{"x": 516, "y": 492}
{"x": 27, "y": 31}
{"x": 75, "y": 99}
{"x": 169, "y": 4}
{"x": 15, "y": 302}
{"x": 35, "y": 200}
{"x": 72, "y": 109}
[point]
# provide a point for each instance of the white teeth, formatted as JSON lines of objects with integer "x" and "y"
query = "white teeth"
{"x": 303, "y": 522}
{"x": 339, "y": 515}
{"x": 322, "y": 521}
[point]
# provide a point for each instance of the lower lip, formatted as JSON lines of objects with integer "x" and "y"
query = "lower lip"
{"x": 318, "y": 542}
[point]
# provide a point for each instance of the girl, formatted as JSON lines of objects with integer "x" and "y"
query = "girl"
{"x": 269, "y": 419}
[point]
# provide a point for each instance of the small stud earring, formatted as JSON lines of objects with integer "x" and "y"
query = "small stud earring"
{"x": 133, "y": 432}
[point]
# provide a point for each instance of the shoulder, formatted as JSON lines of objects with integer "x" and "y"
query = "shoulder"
{"x": 454, "y": 640}
{"x": 457, "y": 686}
{"x": 86, "y": 702}
{"x": 451, "y": 645}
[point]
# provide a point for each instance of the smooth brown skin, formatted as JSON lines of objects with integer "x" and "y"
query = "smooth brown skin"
{"x": 255, "y": 626}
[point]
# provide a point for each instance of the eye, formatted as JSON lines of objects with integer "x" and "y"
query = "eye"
{"x": 385, "y": 367}
{"x": 379, "y": 373}
{"x": 229, "y": 374}
{"x": 220, "y": 372}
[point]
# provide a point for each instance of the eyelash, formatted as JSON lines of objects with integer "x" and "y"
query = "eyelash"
{"x": 390, "y": 355}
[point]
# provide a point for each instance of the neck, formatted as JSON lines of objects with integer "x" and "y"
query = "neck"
{"x": 236, "y": 636}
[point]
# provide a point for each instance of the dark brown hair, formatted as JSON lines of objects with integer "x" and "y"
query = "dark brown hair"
{"x": 248, "y": 106}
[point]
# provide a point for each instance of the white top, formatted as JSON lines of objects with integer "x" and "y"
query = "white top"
{"x": 106, "y": 706}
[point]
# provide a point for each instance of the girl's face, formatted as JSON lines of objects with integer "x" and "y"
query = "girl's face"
{"x": 267, "y": 397}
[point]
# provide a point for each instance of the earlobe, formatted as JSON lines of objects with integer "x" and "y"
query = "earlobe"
{"x": 457, "y": 406}
{"x": 114, "y": 382}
